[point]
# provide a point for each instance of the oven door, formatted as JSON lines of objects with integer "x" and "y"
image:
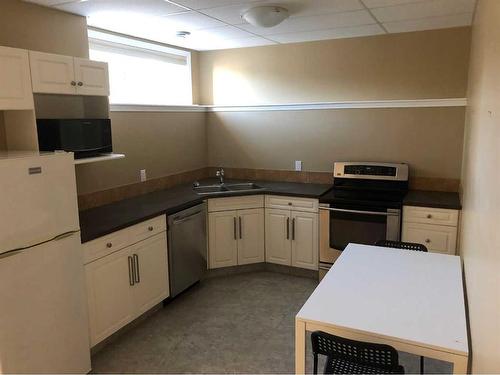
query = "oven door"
{"x": 341, "y": 225}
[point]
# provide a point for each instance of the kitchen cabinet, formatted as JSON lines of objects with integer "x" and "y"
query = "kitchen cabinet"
{"x": 435, "y": 228}
{"x": 126, "y": 281}
{"x": 57, "y": 74}
{"x": 235, "y": 231}
{"x": 15, "y": 88}
{"x": 292, "y": 235}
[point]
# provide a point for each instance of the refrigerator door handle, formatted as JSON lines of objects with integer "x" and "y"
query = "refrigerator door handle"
{"x": 61, "y": 236}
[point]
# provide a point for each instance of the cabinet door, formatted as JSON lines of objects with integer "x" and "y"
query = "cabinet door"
{"x": 151, "y": 272}
{"x": 305, "y": 240}
{"x": 15, "y": 83}
{"x": 251, "y": 236}
{"x": 92, "y": 77}
{"x": 52, "y": 74}
{"x": 278, "y": 243}
{"x": 437, "y": 238}
{"x": 222, "y": 239}
{"x": 109, "y": 294}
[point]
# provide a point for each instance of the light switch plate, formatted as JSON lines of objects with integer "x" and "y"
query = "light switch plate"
{"x": 144, "y": 176}
{"x": 298, "y": 165}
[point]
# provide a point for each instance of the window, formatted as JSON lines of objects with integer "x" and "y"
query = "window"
{"x": 143, "y": 73}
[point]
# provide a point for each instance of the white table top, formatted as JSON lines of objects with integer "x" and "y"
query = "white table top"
{"x": 408, "y": 296}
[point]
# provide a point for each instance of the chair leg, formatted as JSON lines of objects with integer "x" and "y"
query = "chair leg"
{"x": 421, "y": 364}
{"x": 315, "y": 371}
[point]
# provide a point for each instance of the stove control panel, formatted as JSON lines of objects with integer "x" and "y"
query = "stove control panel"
{"x": 371, "y": 170}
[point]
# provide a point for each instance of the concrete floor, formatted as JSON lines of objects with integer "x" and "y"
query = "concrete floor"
{"x": 240, "y": 323}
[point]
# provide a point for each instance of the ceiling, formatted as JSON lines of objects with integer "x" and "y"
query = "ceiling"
{"x": 217, "y": 24}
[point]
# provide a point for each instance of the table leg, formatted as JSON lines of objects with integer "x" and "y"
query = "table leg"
{"x": 460, "y": 365}
{"x": 300, "y": 347}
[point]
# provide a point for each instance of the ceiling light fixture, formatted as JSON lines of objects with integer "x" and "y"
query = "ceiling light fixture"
{"x": 265, "y": 16}
{"x": 182, "y": 34}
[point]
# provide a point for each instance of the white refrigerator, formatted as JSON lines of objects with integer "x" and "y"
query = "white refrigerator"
{"x": 43, "y": 307}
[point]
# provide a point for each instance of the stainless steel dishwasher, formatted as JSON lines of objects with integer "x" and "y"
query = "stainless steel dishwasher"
{"x": 187, "y": 247}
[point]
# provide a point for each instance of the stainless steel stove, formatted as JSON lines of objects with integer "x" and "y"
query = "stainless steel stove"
{"x": 363, "y": 206}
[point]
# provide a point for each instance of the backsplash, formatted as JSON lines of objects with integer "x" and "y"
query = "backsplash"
{"x": 100, "y": 198}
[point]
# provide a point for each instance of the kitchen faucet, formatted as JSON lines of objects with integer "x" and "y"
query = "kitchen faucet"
{"x": 220, "y": 174}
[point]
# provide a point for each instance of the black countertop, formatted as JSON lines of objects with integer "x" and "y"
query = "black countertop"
{"x": 434, "y": 199}
{"x": 99, "y": 221}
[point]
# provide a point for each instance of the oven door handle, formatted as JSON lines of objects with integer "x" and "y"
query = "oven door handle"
{"x": 360, "y": 212}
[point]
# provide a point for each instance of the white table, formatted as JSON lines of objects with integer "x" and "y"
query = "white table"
{"x": 413, "y": 301}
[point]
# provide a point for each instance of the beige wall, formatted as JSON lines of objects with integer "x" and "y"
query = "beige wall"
{"x": 29, "y": 26}
{"x": 430, "y": 64}
{"x": 480, "y": 241}
{"x": 162, "y": 143}
{"x": 429, "y": 139}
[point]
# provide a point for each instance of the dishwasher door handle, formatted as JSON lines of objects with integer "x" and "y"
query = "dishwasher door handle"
{"x": 179, "y": 220}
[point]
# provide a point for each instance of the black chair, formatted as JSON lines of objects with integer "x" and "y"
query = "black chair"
{"x": 346, "y": 356}
{"x": 405, "y": 246}
{"x": 401, "y": 245}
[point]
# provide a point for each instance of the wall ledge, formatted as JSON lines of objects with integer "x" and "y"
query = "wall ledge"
{"x": 354, "y": 104}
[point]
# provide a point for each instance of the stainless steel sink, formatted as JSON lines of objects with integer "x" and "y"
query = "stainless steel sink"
{"x": 248, "y": 186}
{"x": 210, "y": 189}
{"x": 226, "y": 188}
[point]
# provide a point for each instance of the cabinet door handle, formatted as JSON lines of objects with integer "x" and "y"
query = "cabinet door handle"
{"x": 234, "y": 228}
{"x": 150, "y": 229}
{"x": 137, "y": 272}
{"x": 293, "y": 229}
{"x": 80, "y": 84}
{"x": 130, "y": 271}
{"x": 287, "y": 228}
{"x": 73, "y": 83}
{"x": 241, "y": 234}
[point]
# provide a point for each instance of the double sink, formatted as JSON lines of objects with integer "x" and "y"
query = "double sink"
{"x": 226, "y": 188}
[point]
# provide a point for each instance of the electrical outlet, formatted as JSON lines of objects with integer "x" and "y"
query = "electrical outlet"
{"x": 298, "y": 165}
{"x": 144, "y": 176}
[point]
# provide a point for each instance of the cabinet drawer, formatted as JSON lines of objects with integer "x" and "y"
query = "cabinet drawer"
{"x": 437, "y": 238}
{"x": 293, "y": 203}
{"x": 235, "y": 203}
{"x": 427, "y": 215}
{"x": 112, "y": 242}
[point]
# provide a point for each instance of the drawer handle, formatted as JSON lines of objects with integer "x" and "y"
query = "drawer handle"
{"x": 150, "y": 229}
{"x": 289, "y": 203}
{"x": 109, "y": 245}
{"x": 427, "y": 241}
{"x": 429, "y": 216}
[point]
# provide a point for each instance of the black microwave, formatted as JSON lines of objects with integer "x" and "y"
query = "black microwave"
{"x": 84, "y": 137}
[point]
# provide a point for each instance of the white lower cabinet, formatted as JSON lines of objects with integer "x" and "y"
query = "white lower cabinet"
{"x": 124, "y": 284}
{"x": 292, "y": 238}
{"x": 236, "y": 237}
{"x": 305, "y": 240}
{"x": 436, "y": 228}
{"x": 278, "y": 245}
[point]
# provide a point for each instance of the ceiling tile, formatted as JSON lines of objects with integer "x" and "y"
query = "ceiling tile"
{"x": 224, "y": 32}
{"x": 388, "y": 3}
{"x": 429, "y": 23}
{"x": 343, "y": 32}
{"x": 232, "y": 14}
{"x": 311, "y": 23}
{"x": 205, "y": 4}
{"x": 110, "y": 7}
{"x": 191, "y": 21}
{"x": 434, "y": 8}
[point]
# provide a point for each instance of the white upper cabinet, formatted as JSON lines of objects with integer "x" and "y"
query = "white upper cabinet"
{"x": 57, "y": 74}
{"x": 91, "y": 77}
{"x": 53, "y": 74}
{"x": 15, "y": 85}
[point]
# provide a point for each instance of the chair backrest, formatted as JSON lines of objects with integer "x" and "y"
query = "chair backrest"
{"x": 402, "y": 245}
{"x": 363, "y": 353}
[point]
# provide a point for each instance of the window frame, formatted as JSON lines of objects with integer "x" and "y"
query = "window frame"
{"x": 142, "y": 46}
